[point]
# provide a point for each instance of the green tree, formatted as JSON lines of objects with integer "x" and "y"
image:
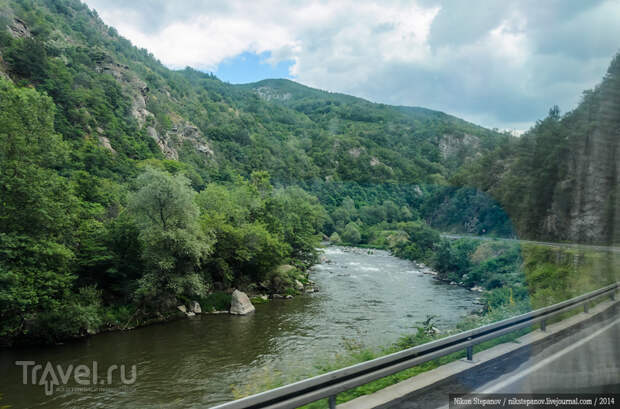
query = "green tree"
{"x": 351, "y": 234}
{"x": 37, "y": 211}
{"x": 174, "y": 244}
{"x": 244, "y": 248}
{"x": 297, "y": 218}
{"x": 335, "y": 238}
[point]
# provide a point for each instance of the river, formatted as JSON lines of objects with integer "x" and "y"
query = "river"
{"x": 366, "y": 297}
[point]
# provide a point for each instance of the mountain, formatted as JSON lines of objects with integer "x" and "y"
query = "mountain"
{"x": 561, "y": 179}
{"x": 129, "y": 189}
{"x": 120, "y": 98}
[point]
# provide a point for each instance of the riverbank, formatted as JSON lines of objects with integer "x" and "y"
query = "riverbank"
{"x": 374, "y": 298}
{"x": 552, "y": 274}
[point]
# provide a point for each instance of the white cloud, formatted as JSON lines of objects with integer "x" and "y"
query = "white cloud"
{"x": 500, "y": 64}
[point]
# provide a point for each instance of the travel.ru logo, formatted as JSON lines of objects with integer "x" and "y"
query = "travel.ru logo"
{"x": 51, "y": 376}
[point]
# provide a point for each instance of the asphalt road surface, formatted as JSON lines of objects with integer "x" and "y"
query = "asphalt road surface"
{"x": 578, "y": 246}
{"x": 584, "y": 359}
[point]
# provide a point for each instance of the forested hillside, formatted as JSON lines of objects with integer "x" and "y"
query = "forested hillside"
{"x": 128, "y": 188}
{"x": 560, "y": 180}
{"x": 125, "y": 101}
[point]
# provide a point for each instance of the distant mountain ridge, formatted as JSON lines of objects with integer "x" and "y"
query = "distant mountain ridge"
{"x": 117, "y": 106}
{"x": 293, "y": 131}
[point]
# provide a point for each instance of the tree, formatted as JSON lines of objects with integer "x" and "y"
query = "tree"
{"x": 335, "y": 238}
{"x": 174, "y": 244}
{"x": 351, "y": 234}
{"x": 296, "y": 217}
{"x": 244, "y": 247}
{"x": 37, "y": 211}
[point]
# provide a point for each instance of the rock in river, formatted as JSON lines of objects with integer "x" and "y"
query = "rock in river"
{"x": 240, "y": 303}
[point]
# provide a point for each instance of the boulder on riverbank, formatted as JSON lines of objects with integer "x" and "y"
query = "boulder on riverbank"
{"x": 195, "y": 307}
{"x": 240, "y": 304}
{"x": 184, "y": 310}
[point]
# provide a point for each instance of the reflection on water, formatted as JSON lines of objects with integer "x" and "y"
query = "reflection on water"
{"x": 371, "y": 298}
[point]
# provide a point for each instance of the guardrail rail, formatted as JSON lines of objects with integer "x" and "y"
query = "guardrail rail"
{"x": 328, "y": 385}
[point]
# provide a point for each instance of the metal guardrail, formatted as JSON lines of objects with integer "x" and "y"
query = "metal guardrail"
{"x": 329, "y": 384}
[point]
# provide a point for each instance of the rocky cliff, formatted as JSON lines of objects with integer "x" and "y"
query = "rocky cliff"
{"x": 560, "y": 180}
{"x": 587, "y": 201}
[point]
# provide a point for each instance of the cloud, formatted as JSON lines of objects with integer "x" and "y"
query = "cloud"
{"x": 496, "y": 63}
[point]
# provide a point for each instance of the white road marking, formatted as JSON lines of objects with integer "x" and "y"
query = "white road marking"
{"x": 498, "y": 386}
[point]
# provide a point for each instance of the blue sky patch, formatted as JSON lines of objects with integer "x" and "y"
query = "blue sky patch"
{"x": 251, "y": 67}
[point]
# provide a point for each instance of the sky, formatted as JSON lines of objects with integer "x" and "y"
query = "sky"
{"x": 495, "y": 63}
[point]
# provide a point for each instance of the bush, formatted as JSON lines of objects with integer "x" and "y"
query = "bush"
{"x": 351, "y": 234}
{"x": 216, "y": 301}
{"x": 80, "y": 316}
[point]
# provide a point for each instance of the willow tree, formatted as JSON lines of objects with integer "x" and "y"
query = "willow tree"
{"x": 174, "y": 244}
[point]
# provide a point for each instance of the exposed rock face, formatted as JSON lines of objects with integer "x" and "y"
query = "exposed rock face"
{"x": 355, "y": 152}
{"x": 192, "y": 311}
{"x": 458, "y": 149}
{"x": 240, "y": 303}
{"x": 285, "y": 268}
{"x": 139, "y": 93}
{"x": 593, "y": 216}
{"x": 268, "y": 94}
{"x": 176, "y": 136}
{"x": 168, "y": 151}
{"x": 452, "y": 145}
{"x": 586, "y": 204}
{"x": 19, "y": 29}
{"x": 106, "y": 143}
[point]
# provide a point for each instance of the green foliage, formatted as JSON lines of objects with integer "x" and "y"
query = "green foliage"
{"x": 351, "y": 234}
{"x": 256, "y": 228}
{"x": 37, "y": 211}
{"x": 79, "y": 315}
{"x": 466, "y": 210}
{"x": 216, "y": 301}
{"x": 99, "y": 228}
{"x": 175, "y": 246}
{"x": 539, "y": 179}
{"x": 297, "y": 218}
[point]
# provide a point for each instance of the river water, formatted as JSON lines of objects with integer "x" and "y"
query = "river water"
{"x": 370, "y": 299}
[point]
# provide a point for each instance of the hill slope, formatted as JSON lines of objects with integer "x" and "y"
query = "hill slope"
{"x": 111, "y": 92}
{"x": 561, "y": 180}
{"x": 129, "y": 189}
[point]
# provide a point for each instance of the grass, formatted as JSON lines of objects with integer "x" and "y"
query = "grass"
{"x": 356, "y": 353}
{"x": 550, "y": 275}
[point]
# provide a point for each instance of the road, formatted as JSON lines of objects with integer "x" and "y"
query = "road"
{"x": 585, "y": 359}
{"x": 542, "y": 243}
{"x": 586, "y": 362}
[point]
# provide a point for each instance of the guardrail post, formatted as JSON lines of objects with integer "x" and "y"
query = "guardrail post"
{"x": 323, "y": 387}
{"x": 613, "y": 295}
{"x": 470, "y": 353}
